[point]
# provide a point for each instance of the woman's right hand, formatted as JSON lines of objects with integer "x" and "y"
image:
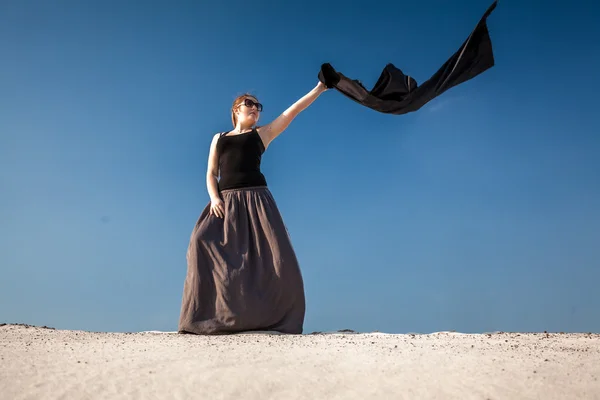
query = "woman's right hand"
{"x": 217, "y": 207}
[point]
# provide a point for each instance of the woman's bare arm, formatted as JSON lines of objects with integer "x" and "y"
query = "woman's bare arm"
{"x": 212, "y": 171}
{"x": 280, "y": 124}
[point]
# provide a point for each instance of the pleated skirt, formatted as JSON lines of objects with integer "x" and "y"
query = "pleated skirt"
{"x": 242, "y": 270}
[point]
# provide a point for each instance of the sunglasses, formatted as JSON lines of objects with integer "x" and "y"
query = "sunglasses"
{"x": 249, "y": 103}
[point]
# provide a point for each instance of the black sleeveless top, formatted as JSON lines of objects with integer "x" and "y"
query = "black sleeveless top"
{"x": 239, "y": 160}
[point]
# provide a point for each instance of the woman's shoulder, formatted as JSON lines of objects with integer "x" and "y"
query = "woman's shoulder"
{"x": 218, "y": 135}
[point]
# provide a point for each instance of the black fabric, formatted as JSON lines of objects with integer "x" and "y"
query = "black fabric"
{"x": 239, "y": 160}
{"x": 397, "y": 93}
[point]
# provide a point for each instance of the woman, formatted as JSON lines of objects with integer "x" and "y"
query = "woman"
{"x": 243, "y": 274}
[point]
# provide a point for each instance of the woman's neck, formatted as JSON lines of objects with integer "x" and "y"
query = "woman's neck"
{"x": 242, "y": 129}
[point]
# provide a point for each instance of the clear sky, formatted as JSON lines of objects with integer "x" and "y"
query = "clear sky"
{"x": 479, "y": 212}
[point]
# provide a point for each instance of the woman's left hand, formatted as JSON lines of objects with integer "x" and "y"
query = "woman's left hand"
{"x": 321, "y": 87}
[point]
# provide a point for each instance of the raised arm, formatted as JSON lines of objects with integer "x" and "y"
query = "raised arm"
{"x": 279, "y": 124}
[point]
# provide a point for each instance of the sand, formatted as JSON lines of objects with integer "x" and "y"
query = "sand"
{"x": 43, "y": 363}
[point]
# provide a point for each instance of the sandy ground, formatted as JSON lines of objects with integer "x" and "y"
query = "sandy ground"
{"x": 43, "y": 363}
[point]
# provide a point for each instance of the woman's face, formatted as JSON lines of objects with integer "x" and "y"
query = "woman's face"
{"x": 249, "y": 111}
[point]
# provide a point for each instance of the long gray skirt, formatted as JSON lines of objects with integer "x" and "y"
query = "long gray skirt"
{"x": 242, "y": 273}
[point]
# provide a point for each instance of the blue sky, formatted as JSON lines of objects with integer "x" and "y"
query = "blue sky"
{"x": 479, "y": 212}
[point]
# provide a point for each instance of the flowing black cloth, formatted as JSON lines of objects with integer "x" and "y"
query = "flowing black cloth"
{"x": 397, "y": 93}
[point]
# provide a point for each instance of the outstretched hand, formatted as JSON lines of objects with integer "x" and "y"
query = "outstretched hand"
{"x": 321, "y": 86}
{"x": 328, "y": 76}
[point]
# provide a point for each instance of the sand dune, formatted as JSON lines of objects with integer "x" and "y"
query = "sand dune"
{"x": 43, "y": 363}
